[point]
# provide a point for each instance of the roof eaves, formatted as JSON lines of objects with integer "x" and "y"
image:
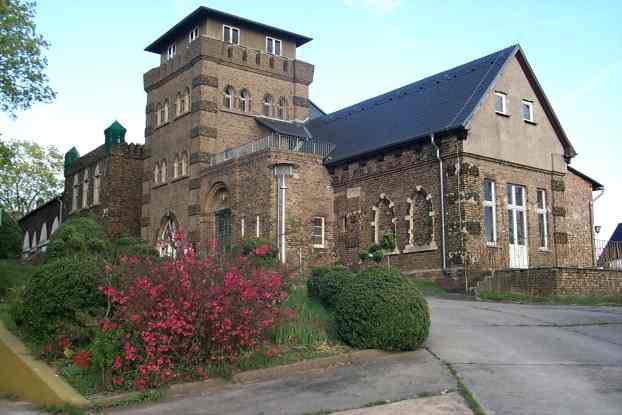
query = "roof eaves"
{"x": 595, "y": 185}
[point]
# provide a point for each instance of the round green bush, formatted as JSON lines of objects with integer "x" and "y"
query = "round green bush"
{"x": 128, "y": 246}
{"x": 11, "y": 237}
{"x": 379, "y": 309}
{"x": 78, "y": 236}
{"x": 60, "y": 295}
{"x": 326, "y": 283}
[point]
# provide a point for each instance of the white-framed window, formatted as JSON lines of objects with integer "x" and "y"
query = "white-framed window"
{"x": 170, "y": 53}
{"x": 490, "y": 212}
{"x": 267, "y": 105}
{"x": 527, "y": 110}
{"x": 281, "y": 108}
{"x": 273, "y": 46}
{"x": 244, "y": 100}
{"x": 543, "y": 225}
{"x": 228, "y": 97}
{"x": 163, "y": 171}
{"x": 97, "y": 182}
{"x": 501, "y": 103}
{"x": 76, "y": 189}
{"x": 318, "y": 232}
{"x": 193, "y": 35}
{"x": 230, "y": 34}
{"x": 85, "y": 189}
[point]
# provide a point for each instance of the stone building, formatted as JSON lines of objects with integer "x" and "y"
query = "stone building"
{"x": 469, "y": 166}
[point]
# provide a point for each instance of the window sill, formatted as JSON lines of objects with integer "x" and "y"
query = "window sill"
{"x": 530, "y": 122}
{"x": 157, "y": 186}
{"x": 237, "y": 112}
{"x": 503, "y": 114}
{"x": 544, "y": 250}
{"x": 180, "y": 178}
{"x": 319, "y": 246}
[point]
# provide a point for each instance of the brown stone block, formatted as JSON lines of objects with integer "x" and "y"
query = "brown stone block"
{"x": 205, "y": 80}
{"x": 204, "y": 131}
{"x": 204, "y": 105}
{"x": 559, "y": 211}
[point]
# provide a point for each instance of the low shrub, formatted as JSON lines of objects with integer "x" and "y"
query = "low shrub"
{"x": 179, "y": 315}
{"x": 11, "y": 236}
{"x": 13, "y": 274}
{"x": 380, "y": 309}
{"x": 260, "y": 251}
{"x": 58, "y": 297}
{"x": 78, "y": 236}
{"x": 326, "y": 283}
{"x": 128, "y": 246}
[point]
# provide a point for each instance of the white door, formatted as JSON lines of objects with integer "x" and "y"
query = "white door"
{"x": 517, "y": 227}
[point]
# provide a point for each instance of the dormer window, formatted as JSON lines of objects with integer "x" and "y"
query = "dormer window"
{"x": 171, "y": 51}
{"x": 273, "y": 46}
{"x": 193, "y": 35}
{"x": 230, "y": 35}
{"x": 527, "y": 110}
{"x": 501, "y": 103}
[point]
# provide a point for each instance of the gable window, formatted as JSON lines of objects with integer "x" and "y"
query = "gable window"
{"x": 228, "y": 97}
{"x": 170, "y": 54}
{"x": 231, "y": 35}
{"x": 193, "y": 35}
{"x": 267, "y": 105}
{"x": 281, "y": 108}
{"x": 273, "y": 46}
{"x": 244, "y": 101}
{"x": 543, "y": 231}
{"x": 501, "y": 103}
{"x": 490, "y": 212}
{"x": 527, "y": 110}
{"x": 318, "y": 232}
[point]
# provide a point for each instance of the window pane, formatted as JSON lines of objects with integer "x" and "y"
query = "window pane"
{"x": 541, "y": 198}
{"x": 236, "y": 36}
{"x": 511, "y": 226}
{"x": 488, "y": 190}
{"x": 520, "y": 227}
{"x": 488, "y": 224}
{"x": 277, "y": 47}
{"x": 227, "y": 35}
{"x": 519, "y": 195}
{"x": 269, "y": 45}
{"x": 510, "y": 190}
{"x": 541, "y": 231}
{"x": 499, "y": 102}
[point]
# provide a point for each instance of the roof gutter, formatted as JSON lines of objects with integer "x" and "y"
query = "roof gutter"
{"x": 442, "y": 194}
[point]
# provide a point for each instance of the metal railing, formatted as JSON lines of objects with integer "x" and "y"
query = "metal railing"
{"x": 274, "y": 141}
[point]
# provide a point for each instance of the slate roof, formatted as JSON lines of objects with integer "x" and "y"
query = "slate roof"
{"x": 617, "y": 234}
{"x": 440, "y": 103}
{"x": 314, "y": 110}
{"x": 194, "y": 18}
{"x": 284, "y": 127}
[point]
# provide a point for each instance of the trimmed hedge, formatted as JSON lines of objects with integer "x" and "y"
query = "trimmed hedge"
{"x": 326, "y": 283}
{"x": 379, "y": 309}
{"x": 58, "y": 296}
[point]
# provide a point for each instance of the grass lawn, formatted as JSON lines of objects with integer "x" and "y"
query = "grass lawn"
{"x": 567, "y": 300}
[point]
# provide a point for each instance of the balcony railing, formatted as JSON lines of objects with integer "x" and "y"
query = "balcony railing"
{"x": 288, "y": 143}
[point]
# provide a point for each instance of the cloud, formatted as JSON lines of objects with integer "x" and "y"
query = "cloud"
{"x": 382, "y": 5}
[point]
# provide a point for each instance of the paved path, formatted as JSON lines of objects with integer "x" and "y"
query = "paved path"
{"x": 449, "y": 404}
{"x": 533, "y": 359}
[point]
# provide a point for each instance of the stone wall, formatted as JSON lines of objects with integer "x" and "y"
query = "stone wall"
{"x": 544, "y": 282}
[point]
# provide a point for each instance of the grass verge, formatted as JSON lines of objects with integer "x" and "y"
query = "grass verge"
{"x": 560, "y": 300}
{"x": 429, "y": 288}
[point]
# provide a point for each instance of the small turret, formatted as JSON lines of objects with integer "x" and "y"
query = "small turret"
{"x": 115, "y": 134}
{"x": 71, "y": 156}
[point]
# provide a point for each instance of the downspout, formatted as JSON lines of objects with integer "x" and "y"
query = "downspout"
{"x": 592, "y": 231}
{"x": 442, "y": 193}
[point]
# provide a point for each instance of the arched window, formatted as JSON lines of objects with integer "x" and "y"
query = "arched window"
{"x": 156, "y": 173}
{"x": 281, "y": 108}
{"x": 163, "y": 171}
{"x": 159, "y": 115}
{"x": 185, "y": 102}
{"x": 421, "y": 223}
{"x": 184, "y": 163}
{"x": 176, "y": 166}
{"x": 76, "y": 189}
{"x": 26, "y": 244}
{"x": 85, "y": 189}
{"x": 244, "y": 101}
{"x": 178, "y": 104}
{"x": 267, "y": 105}
{"x": 97, "y": 182}
{"x": 228, "y": 97}
{"x": 166, "y": 235}
{"x": 165, "y": 111}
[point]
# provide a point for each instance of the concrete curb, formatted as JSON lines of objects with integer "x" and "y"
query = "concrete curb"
{"x": 31, "y": 379}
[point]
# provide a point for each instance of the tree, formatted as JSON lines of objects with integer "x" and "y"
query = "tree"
{"x": 28, "y": 172}
{"x": 22, "y": 64}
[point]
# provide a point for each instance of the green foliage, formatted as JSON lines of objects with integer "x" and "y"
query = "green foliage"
{"x": 23, "y": 81}
{"x": 375, "y": 252}
{"x": 79, "y": 236}
{"x": 11, "y": 237}
{"x": 266, "y": 256}
{"x": 105, "y": 346}
{"x": 128, "y": 246}
{"x": 388, "y": 242}
{"x": 58, "y": 296}
{"x": 380, "y": 309}
{"x": 326, "y": 283}
{"x": 28, "y": 172}
{"x": 13, "y": 275}
{"x": 377, "y": 256}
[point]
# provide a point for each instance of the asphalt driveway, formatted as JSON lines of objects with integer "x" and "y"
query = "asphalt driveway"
{"x": 533, "y": 359}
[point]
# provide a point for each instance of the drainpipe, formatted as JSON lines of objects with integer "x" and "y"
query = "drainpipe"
{"x": 440, "y": 165}
{"x": 594, "y": 247}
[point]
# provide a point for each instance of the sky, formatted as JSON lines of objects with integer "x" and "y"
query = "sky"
{"x": 361, "y": 48}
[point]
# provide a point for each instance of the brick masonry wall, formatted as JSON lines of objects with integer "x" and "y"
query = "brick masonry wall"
{"x": 544, "y": 282}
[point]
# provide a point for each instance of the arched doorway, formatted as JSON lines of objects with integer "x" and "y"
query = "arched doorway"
{"x": 165, "y": 243}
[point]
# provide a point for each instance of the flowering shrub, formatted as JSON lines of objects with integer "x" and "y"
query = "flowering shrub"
{"x": 187, "y": 312}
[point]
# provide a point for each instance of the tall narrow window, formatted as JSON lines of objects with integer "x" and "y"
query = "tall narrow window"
{"x": 76, "y": 189}
{"x": 178, "y": 104}
{"x": 501, "y": 103}
{"x": 185, "y": 102}
{"x": 543, "y": 228}
{"x": 165, "y": 111}
{"x": 156, "y": 173}
{"x": 281, "y": 108}
{"x": 163, "y": 171}
{"x": 267, "y": 105}
{"x": 85, "y": 189}
{"x": 257, "y": 227}
{"x": 273, "y": 46}
{"x": 228, "y": 97}
{"x": 318, "y": 232}
{"x": 176, "y": 166}
{"x": 244, "y": 101}
{"x": 231, "y": 35}
{"x": 193, "y": 35}
{"x": 184, "y": 163}
{"x": 159, "y": 115}
{"x": 490, "y": 212}
{"x": 96, "y": 184}
{"x": 242, "y": 230}
{"x": 527, "y": 109}
{"x": 171, "y": 51}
